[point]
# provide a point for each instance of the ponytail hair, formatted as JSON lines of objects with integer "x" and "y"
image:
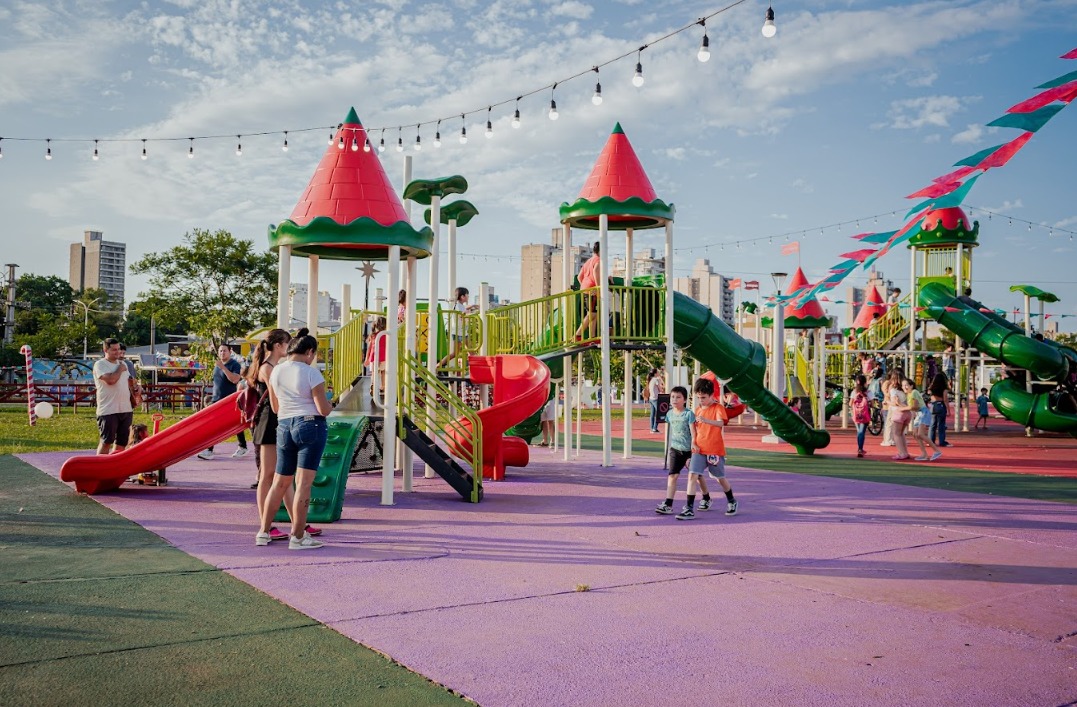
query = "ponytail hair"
{"x": 261, "y": 352}
{"x": 302, "y": 344}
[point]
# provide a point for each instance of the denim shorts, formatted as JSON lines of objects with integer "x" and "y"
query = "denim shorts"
{"x": 300, "y": 443}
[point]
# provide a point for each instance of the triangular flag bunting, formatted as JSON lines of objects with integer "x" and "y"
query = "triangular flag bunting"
{"x": 1058, "y": 93}
{"x": 956, "y": 175}
{"x": 1065, "y": 78}
{"x": 934, "y": 190}
{"x": 875, "y": 237}
{"x": 977, "y": 158}
{"x": 1028, "y": 121}
{"x": 1072, "y": 54}
{"x": 858, "y": 255}
{"x": 1004, "y": 153}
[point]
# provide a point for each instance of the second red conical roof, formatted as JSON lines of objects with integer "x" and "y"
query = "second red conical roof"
{"x": 873, "y": 304}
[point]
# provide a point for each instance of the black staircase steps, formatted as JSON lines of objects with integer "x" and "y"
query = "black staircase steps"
{"x": 439, "y": 460}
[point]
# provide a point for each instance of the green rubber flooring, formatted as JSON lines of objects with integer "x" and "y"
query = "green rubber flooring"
{"x": 96, "y": 610}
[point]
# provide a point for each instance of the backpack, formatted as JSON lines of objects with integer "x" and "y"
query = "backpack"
{"x": 249, "y": 404}
{"x": 861, "y": 410}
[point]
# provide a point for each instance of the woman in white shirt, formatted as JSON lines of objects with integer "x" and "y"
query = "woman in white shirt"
{"x": 297, "y": 396}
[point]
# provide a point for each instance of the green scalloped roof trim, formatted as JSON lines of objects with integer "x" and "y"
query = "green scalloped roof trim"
{"x": 423, "y": 191}
{"x": 328, "y": 239}
{"x": 463, "y": 211}
{"x": 641, "y": 214}
{"x": 798, "y": 323}
{"x": 1035, "y": 293}
{"x": 944, "y": 236}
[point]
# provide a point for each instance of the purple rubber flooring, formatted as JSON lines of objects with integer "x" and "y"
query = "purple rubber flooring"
{"x": 820, "y": 591}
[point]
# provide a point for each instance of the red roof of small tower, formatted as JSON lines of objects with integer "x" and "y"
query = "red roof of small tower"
{"x": 349, "y": 184}
{"x": 810, "y": 311}
{"x": 873, "y": 303}
{"x": 617, "y": 172}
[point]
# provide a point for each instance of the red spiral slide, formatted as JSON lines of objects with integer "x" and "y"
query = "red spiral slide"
{"x": 94, "y": 474}
{"x": 521, "y": 386}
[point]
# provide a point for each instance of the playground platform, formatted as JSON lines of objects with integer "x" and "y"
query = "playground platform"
{"x": 564, "y": 587}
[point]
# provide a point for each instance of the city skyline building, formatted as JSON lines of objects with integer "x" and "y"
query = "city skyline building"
{"x": 99, "y": 264}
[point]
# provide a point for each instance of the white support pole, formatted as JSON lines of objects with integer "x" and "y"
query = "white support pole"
{"x": 312, "y": 294}
{"x": 758, "y": 339}
{"x": 284, "y": 285}
{"x": 1028, "y": 316}
{"x": 433, "y": 320}
{"x": 846, "y": 391}
{"x": 912, "y": 312}
{"x": 484, "y": 308}
{"x": 626, "y": 321}
{"x": 568, "y": 327}
{"x": 669, "y": 305}
{"x": 452, "y": 259}
{"x": 579, "y": 403}
{"x": 604, "y": 333}
{"x": 388, "y": 462}
{"x": 962, "y": 391}
{"x": 410, "y": 323}
{"x": 820, "y": 377}
{"x": 566, "y": 406}
{"x": 345, "y": 303}
{"x": 777, "y": 352}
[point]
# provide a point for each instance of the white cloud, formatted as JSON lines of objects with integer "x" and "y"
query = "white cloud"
{"x": 972, "y": 134}
{"x": 803, "y": 185}
{"x": 1006, "y": 206}
{"x": 674, "y": 153}
{"x": 912, "y": 113}
{"x": 573, "y": 9}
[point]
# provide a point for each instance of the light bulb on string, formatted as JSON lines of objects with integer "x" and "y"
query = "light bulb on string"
{"x": 516, "y": 115}
{"x": 366, "y": 144}
{"x": 340, "y": 142}
{"x": 437, "y": 135}
{"x": 1030, "y": 228}
{"x": 463, "y": 130}
{"x": 239, "y": 146}
{"x": 704, "y": 54}
{"x": 190, "y": 150}
{"x": 399, "y": 139}
{"x": 489, "y": 125}
{"x": 553, "y": 103}
{"x": 769, "y": 30}
{"x": 144, "y": 155}
{"x": 48, "y": 148}
{"x": 597, "y": 97}
{"x": 1, "y": 149}
{"x": 330, "y": 138}
{"x": 637, "y": 79}
{"x": 418, "y": 140}
{"x": 95, "y": 155}
{"x": 284, "y": 147}
{"x": 355, "y": 142}
{"x": 381, "y": 142}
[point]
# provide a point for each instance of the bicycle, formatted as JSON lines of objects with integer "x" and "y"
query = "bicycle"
{"x": 875, "y": 427}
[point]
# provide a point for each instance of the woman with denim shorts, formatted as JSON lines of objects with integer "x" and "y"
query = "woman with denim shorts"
{"x": 297, "y": 396}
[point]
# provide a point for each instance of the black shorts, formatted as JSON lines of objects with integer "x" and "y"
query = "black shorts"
{"x": 115, "y": 428}
{"x": 677, "y": 460}
{"x": 265, "y": 427}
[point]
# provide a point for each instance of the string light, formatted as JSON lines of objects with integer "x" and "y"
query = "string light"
{"x": 637, "y": 79}
{"x": 355, "y": 142}
{"x": 144, "y": 155}
{"x": 516, "y": 115}
{"x": 381, "y": 142}
{"x": 769, "y": 30}
{"x": 284, "y": 147}
{"x": 399, "y": 140}
{"x": 1, "y": 149}
{"x": 704, "y": 54}
{"x": 437, "y": 135}
{"x": 489, "y": 125}
{"x": 597, "y": 98}
{"x": 239, "y": 146}
{"x": 340, "y": 142}
{"x": 366, "y": 144}
{"x": 190, "y": 150}
{"x": 553, "y": 103}
{"x": 463, "y": 129}
{"x": 418, "y": 140}
{"x": 95, "y": 155}
{"x": 48, "y": 148}
{"x": 330, "y": 138}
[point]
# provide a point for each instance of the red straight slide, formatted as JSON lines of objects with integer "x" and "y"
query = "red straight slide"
{"x": 521, "y": 386}
{"x": 95, "y": 474}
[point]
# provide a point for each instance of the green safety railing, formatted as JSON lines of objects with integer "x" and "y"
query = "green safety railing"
{"x": 802, "y": 369}
{"x": 463, "y": 338}
{"x": 447, "y": 418}
{"x": 548, "y": 324}
{"x": 835, "y": 365}
{"x": 886, "y": 327}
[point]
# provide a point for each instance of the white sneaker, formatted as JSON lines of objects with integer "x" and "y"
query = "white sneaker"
{"x": 240, "y": 452}
{"x": 304, "y": 543}
{"x": 261, "y": 539}
{"x": 205, "y": 455}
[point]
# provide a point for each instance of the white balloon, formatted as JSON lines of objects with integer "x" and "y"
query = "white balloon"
{"x": 43, "y": 410}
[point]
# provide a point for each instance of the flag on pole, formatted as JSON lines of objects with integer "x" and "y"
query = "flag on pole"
{"x": 735, "y": 283}
{"x": 790, "y": 248}
{"x": 751, "y": 285}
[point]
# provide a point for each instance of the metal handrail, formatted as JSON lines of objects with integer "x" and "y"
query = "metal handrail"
{"x": 887, "y": 326}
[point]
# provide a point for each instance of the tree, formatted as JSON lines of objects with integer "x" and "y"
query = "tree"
{"x": 48, "y": 293}
{"x": 144, "y": 314}
{"x": 1067, "y": 339}
{"x": 219, "y": 284}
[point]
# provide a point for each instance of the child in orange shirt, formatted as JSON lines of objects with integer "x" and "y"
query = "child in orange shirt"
{"x": 708, "y": 452}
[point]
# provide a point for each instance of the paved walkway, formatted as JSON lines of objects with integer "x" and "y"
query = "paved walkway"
{"x": 563, "y": 587}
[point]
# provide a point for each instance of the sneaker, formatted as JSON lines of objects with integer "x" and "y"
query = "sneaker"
{"x": 254, "y": 485}
{"x": 205, "y": 455}
{"x": 261, "y": 539}
{"x": 276, "y": 534}
{"x": 704, "y": 505}
{"x": 919, "y": 459}
{"x": 686, "y": 514}
{"x": 240, "y": 452}
{"x": 304, "y": 543}
{"x": 311, "y": 530}
{"x": 664, "y": 509}
{"x": 731, "y": 508}
{"x": 936, "y": 456}
{"x": 886, "y": 444}
{"x": 860, "y": 453}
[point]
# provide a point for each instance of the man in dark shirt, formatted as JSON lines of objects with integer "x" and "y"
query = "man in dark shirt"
{"x": 225, "y": 379}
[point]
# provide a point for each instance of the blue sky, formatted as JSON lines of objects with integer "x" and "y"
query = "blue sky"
{"x": 853, "y": 105}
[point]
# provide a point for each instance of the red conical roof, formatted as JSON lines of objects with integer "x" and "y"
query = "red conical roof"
{"x": 809, "y": 311}
{"x": 873, "y": 304}
{"x": 618, "y": 173}
{"x": 349, "y": 184}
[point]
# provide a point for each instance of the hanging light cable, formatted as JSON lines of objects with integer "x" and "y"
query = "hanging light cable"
{"x": 769, "y": 30}
{"x": 95, "y": 155}
{"x": 597, "y": 97}
{"x": 516, "y": 115}
{"x": 637, "y": 80}
{"x": 489, "y": 125}
{"x": 284, "y": 147}
{"x": 463, "y": 129}
{"x": 437, "y": 135}
{"x": 553, "y": 104}
{"x": 704, "y": 54}
{"x": 144, "y": 155}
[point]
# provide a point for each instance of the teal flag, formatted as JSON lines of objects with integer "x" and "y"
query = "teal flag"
{"x": 878, "y": 237}
{"x": 1030, "y": 122}
{"x": 1071, "y": 76}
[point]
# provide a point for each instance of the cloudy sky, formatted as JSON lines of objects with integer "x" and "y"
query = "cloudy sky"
{"x": 854, "y": 104}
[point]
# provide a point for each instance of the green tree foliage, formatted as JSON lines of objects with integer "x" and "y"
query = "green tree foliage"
{"x": 219, "y": 284}
{"x": 47, "y": 293}
{"x": 147, "y": 313}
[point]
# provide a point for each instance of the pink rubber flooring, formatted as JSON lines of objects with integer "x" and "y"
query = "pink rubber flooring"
{"x": 820, "y": 591}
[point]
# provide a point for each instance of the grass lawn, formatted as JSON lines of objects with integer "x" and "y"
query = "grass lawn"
{"x": 66, "y": 431}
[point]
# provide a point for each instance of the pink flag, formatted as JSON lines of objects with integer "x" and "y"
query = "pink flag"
{"x": 920, "y": 309}
{"x": 824, "y": 298}
{"x": 1048, "y": 316}
{"x": 790, "y": 248}
{"x": 957, "y": 174}
{"x": 735, "y": 283}
{"x": 934, "y": 190}
{"x": 1072, "y": 54}
{"x": 1003, "y": 154}
{"x": 751, "y": 285}
{"x": 952, "y": 309}
{"x": 1058, "y": 93}
{"x": 858, "y": 255}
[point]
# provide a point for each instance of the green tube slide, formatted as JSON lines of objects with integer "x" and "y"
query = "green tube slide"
{"x": 743, "y": 363}
{"x": 1001, "y": 339}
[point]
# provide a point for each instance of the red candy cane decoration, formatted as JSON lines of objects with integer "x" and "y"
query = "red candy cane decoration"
{"x": 25, "y": 350}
